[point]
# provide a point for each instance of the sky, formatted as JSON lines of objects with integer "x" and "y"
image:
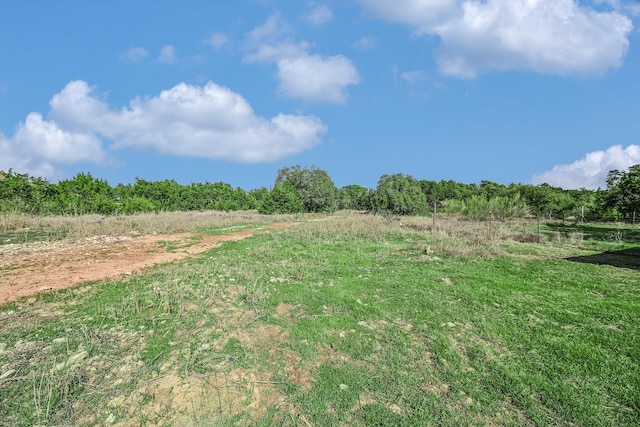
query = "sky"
{"x": 509, "y": 91}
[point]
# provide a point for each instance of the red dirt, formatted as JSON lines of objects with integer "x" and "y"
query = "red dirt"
{"x": 30, "y": 269}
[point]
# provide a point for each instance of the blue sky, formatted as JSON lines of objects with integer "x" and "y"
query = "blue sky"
{"x": 511, "y": 91}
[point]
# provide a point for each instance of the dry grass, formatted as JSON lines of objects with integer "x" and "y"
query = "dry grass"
{"x": 451, "y": 235}
{"x": 60, "y": 227}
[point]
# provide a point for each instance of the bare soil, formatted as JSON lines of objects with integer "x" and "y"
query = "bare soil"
{"x": 47, "y": 266}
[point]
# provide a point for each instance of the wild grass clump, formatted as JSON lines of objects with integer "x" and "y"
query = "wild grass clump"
{"x": 348, "y": 225}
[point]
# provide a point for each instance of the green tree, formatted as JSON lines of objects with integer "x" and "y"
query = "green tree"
{"x": 447, "y": 190}
{"x": 314, "y": 186}
{"x": 282, "y": 199}
{"x": 85, "y": 194}
{"x": 399, "y": 194}
{"x": 491, "y": 189}
{"x": 257, "y": 196}
{"x": 623, "y": 192}
{"x": 548, "y": 201}
{"x": 135, "y": 204}
{"x": 27, "y": 194}
{"x": 354, "y": 197}
{"x": 217, "y": 196}
{"x": 166, "y": 195}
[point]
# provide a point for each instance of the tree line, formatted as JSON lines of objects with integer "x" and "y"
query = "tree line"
{"x": 310, "y": 189}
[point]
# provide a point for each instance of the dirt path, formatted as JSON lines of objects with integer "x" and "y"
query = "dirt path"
{"x": 30, "y": 269}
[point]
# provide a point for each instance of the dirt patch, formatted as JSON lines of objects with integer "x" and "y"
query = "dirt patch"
{"x": 297, "y": 373}
{"x": 30, "y": 269}
{"x": 283, "y": 311}
{"x": 178, "y": 400}
{"x": 288, "y": 312}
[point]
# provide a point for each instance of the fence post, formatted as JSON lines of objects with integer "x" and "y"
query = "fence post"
{"x": 435, "y": 209}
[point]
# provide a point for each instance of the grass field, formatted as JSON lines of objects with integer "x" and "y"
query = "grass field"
{"x": 344, "y": 320}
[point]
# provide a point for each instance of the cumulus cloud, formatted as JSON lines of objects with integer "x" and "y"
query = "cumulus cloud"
{"x": 134, "y": 54}
{"x": 207, "y": 121}
{"x": 319, "y": 15}
{"x": 39, "y": 144}
{"x": 554, "y": 37}
{"x": 301, "y": 74}
{"x": 317, "y": 78}
{"x": 167, "y": 54}
{"x": 590, "y": 171}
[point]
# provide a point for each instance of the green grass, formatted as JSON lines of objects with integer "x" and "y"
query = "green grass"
{"x": 600, "y": 232}
{"x": 26, "y": 236}
{"x": 220, "y": 230}
{"x": 352, "y": 321}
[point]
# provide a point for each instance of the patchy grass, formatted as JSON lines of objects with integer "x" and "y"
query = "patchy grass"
{"x": 357, "y": 320}
{"x": 615, "y": 233}
{"x": 22, "y": 228}
{"x": 173, "y": 245}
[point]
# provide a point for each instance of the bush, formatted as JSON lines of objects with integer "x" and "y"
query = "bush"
{"x": 399, "y": 195}
{"x": 283, "y": 199}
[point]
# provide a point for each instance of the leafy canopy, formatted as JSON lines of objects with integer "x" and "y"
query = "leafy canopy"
{"x": 314, "y": 186}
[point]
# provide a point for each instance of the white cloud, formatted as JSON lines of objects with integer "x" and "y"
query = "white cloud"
{"x": 419, "y": 14}
{"x": 207, "y": 121}
{"x": 301, "y": 74}
{"x": 217, "y": 40}
{"x": 167, "y": 54}
{"x": 214, "y": 122}
{"x": 317, "y": 78}
{"x": 134, "y": 54}
{"x": 275, "y": 28}
{"x": 266, "y": 52}
{"x": 38, "y": 144}
{"x": 590, "y": 171}
{"x": 272, "y": 41}
{"x": 319, "y": 15}
{"x": 555, "y": 37}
